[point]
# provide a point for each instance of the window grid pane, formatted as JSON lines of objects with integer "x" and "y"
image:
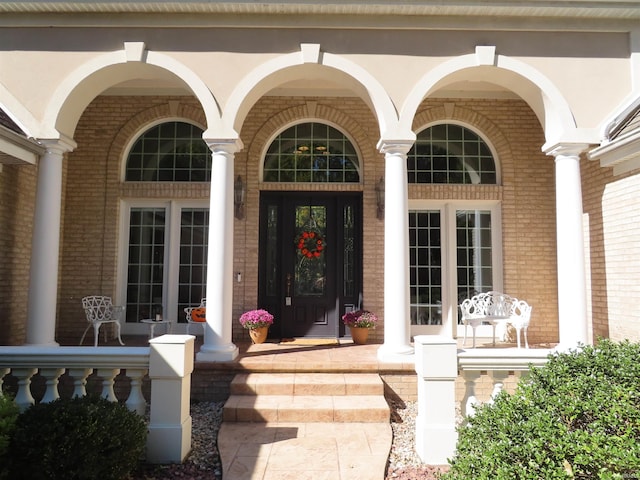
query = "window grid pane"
{"x": 311, "y": 152}
{"x": 425, "y": 267}
{"x": 192, "y": 274}
{"x": 474, "y": 253}
{"x": 170, "y": 152}
{"x": 146, "y": 262}
{"x": 450, "y": 154}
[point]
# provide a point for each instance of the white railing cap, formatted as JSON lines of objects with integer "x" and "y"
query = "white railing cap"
{"x": 74, "y": 357}
{"x": 502, "y": 358}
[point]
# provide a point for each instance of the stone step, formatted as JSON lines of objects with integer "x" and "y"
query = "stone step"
{"x": 307, "y": 397}
{"x": 306, "y": 408}
{"x": 325, "y": 384}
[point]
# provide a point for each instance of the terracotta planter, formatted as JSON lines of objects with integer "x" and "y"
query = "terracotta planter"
{"x": 258, "y": 335}
{"x": 359, "y": 335}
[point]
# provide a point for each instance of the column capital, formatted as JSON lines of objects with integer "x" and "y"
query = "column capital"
{"x": 224, "y": 145}
{"x": 395, "y": 147}
{"x": 58, "y": 146}
{"x": 566, "y": 149}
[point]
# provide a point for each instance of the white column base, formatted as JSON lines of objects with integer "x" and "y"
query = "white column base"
{"x": 393, "y": 354}
{"x": 217, "y": 353}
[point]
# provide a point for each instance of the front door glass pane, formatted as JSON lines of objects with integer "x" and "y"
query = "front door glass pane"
{"x": 310, "y": 262}
{"x": 349, "y": 268}
{"x": 425, "y": 272}
{"x": 271, "y": 251}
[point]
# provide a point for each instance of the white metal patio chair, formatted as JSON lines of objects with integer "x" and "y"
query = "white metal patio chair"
{"x": 196, "y": 316}
{"x": 100, "y": 309}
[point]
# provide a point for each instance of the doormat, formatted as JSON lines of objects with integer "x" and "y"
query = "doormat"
{"x": 309, "y": 341}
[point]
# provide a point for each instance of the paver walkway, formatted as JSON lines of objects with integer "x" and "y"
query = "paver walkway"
{"x": 304, "y": 451}
{"x": 305, "y": 426}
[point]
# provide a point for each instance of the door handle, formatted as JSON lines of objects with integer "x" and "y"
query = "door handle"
{"x": 287, "y": 300}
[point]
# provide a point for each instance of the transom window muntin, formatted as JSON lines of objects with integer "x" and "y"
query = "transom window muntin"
{"x": 169, "y": 152}
{"x": 452, "y": 154}
{"x": 311, "y": 152}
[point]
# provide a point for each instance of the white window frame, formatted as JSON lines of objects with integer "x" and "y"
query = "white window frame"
{"x": 448, "y": 209}
{"x": 173, "y": 210}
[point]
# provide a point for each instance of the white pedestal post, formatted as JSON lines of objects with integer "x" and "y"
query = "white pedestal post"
{"x": 437, "y": 369}
{"x": 170, "y": 368}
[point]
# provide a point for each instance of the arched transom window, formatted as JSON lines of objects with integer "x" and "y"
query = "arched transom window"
{"x": 311, "y": 152}
{"x": 449, "y": 153}
{"x": 169, "y": 152}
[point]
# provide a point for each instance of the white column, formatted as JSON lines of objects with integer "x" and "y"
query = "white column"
{"x": 397, "y": 334}
{"x": 45, "y": 246}
{"x": 572, "y": 287}
{"x": 218, "y": 345}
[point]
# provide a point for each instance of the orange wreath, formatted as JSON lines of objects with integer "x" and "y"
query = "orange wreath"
{"x": 310, "y": 244}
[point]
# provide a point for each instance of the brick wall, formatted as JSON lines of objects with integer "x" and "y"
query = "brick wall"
{"x": 93, "y": 190}
{"x": 17, "y": 203}
{"x": 612, "y": 223}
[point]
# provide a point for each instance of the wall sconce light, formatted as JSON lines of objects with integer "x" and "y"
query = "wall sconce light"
{"x": 380, "y": 198}
{"x": 239, "y": 192}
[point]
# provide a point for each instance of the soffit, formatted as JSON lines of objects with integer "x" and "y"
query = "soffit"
{"x": 377, "y": 14}
{"x": 621, "y": 148}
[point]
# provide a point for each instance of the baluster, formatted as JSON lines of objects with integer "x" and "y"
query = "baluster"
{"x": 469, "y": 402}
{"x": 51, "y": 376}
{"x": 136, "y": 401}
{"x": 108, "y": 376}
{"x": 24, "y": 398}
{"x": 3, "y": 373}
{"x": 79, "y": 376}
{"x": 499, "y": 376}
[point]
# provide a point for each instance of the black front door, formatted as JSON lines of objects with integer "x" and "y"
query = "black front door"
{"x": 310, "y": 261}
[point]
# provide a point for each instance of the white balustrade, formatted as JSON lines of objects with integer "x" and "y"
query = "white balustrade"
{"x": 107, "y": 363}
{"x": 438, "y": 364}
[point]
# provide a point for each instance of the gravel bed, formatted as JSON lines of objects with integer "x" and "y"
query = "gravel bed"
{"x": 203, "y": 462}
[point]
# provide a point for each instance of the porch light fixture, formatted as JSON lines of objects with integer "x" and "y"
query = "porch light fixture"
{"x": 239, "y": 192}
{"x": 380, "y": 198}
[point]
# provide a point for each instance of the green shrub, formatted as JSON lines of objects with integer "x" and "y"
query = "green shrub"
{"x": 79, "y": 438}
{"x": 8, "y": 415}
{"x": 576, "y": 417}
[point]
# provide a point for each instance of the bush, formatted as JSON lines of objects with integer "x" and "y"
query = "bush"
{"x": 576, "y": 417}
{"x": 8, "y": 414}
{"x": 79, "y": 438}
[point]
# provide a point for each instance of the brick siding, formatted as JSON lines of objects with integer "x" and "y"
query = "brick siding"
{"x": 93, "y": 190}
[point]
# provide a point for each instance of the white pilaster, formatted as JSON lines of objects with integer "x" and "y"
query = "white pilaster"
{"x": 397, "y": 334}
{"x": 218, "y": 345}
{"x": 45, "y": 245}
{"x": 572, "y": 287}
